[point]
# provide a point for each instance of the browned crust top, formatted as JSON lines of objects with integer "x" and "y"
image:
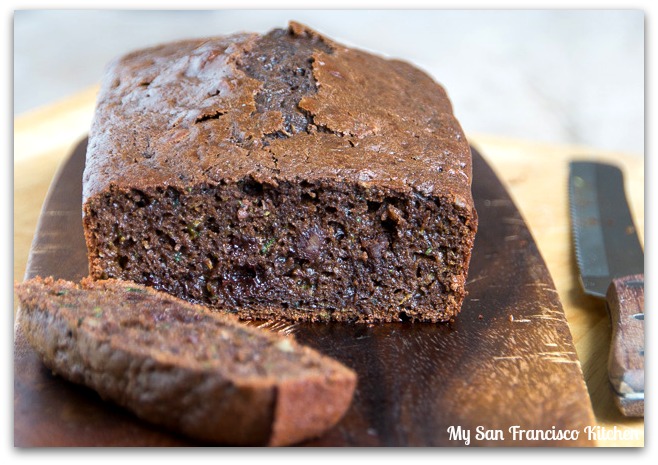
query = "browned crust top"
{"x": 185, "y": 113}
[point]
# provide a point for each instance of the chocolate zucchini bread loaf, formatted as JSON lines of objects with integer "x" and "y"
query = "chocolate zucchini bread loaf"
{"x": 281, "y": 175}
{"x": 182, "y": 365}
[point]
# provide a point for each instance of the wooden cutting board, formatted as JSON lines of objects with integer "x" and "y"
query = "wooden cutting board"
{"x": 508, "y": 360}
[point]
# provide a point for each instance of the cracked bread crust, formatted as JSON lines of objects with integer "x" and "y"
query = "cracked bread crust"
{"x": 310, "y": 181}
{"x": 182, "y": 366}
{"x": 187, "y": 112}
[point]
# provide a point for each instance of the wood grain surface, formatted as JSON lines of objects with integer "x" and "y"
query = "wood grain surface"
{"x": 533, "y": 173}
{"x": 508, "y": 359}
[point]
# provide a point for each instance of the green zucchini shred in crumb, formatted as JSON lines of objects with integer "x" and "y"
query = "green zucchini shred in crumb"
{"x": 267, "y": 245}
{"x": 191, "y": 228}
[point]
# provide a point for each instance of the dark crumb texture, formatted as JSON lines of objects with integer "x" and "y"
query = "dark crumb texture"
{"x": 181, "y": 365}
{"x": 308, "y": 251}
{"x": 281, "y": 175}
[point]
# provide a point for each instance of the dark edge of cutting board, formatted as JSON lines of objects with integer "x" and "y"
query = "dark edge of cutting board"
{"x": 508, "y": 359}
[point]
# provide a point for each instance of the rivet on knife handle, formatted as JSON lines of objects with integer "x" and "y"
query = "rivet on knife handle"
{"x": 625, "y": 299}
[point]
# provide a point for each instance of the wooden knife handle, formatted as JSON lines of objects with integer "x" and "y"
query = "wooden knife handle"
{"x": 625, "y": 298}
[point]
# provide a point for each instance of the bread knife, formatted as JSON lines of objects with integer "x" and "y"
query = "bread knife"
{"x": 611, "y": 263}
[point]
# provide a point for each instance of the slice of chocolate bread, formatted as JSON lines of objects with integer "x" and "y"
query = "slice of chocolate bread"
{"x": 182, "y": 366}
{"x": 282, "y": 175}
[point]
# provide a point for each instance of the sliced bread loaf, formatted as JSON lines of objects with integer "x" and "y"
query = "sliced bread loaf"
{"x": 182, "y": 366}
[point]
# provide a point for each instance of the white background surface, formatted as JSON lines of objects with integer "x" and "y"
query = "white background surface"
{"x": 558, "y": 76}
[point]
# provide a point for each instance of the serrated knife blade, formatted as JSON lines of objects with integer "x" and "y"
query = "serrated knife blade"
{"x": 611, "y": 264}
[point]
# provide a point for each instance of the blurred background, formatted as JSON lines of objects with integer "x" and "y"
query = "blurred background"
{"x": 555, "y": 76}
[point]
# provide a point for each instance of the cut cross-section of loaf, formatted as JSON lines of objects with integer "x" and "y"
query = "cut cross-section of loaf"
{"x": 183, "y": 366}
